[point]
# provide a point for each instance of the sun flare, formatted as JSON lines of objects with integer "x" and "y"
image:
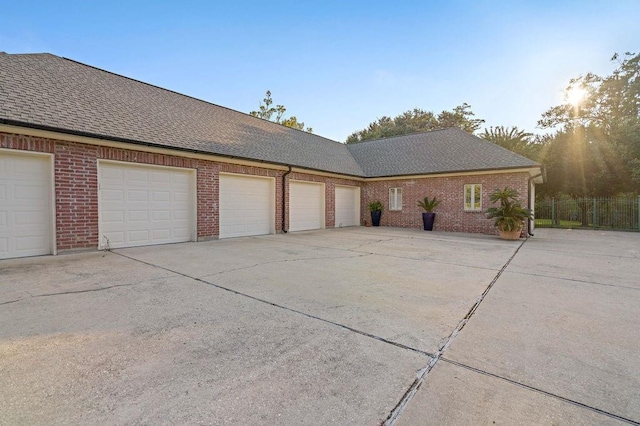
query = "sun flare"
{"x": 575, "y": 95}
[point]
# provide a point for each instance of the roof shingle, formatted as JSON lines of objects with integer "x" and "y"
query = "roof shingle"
{"x": 438, "y": 151}
{"x": 47, "y": 91}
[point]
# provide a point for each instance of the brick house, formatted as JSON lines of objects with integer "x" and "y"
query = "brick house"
{"x": 90, "y": 159}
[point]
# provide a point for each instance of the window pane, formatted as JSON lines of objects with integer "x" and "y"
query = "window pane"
{"x": 391, "y": 198}
{"x": 467, "y": 197}
{"x": 478, "y": 197}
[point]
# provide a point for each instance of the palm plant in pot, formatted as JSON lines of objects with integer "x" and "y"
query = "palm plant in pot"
{"x": 510, "y": 215}
{"x": 428, "y": 216}
{"x": 375, "y": 207}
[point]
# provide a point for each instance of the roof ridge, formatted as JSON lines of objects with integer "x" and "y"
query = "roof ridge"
{"x": 409, "y": 134}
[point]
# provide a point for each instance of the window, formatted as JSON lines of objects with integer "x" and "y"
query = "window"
{"x": 395, "y": 198}
{"x": 473, "y": 197}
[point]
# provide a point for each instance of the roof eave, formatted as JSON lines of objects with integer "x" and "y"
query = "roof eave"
{"x": 531, "y": 168}
{"x": 71, "y": 132}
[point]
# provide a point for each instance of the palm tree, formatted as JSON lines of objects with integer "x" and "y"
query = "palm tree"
{"x": 511, "y": 138}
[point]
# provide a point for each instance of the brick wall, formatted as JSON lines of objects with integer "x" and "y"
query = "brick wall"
{"x": 76, "y": 190}
{"x": 76, "y": 185}
{"x": 450, "y": 214}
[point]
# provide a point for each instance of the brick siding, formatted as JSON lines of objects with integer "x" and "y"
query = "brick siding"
{"x": 450, "y": 214}
{"x": 76, "y": 191}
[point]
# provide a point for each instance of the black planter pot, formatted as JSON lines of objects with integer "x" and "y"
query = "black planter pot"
{"x": 427, "y": 221}
{"x": 375, "y": 218}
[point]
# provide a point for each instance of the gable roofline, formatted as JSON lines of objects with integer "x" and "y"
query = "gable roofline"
{"x": 405, "y": 135}
{"x": 444, "y": 129}
{"x": 54, "y": 94}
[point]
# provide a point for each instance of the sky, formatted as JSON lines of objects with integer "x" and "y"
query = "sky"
{"x": 339, "y": 65}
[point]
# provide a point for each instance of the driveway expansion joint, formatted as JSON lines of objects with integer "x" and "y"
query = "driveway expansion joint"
{"x": 575, "y": 280}
{"x": 538, "y": 390}
{"x": 257, "y": 299}
{"x": 395, "y": 414}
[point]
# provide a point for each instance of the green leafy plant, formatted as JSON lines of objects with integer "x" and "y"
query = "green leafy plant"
{"x": 375, "y": 206}
{"x": 510, "y": 216}
{"x": 428, "y": 205}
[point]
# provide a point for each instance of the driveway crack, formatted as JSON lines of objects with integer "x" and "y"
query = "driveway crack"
{"x": 242, "y": 268}
{"x": 62, "y": 293}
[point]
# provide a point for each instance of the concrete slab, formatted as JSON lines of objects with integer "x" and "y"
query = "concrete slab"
{"x": 607, "y": 258}
{"x": 611, "y": 243}
{"x": 379, "y": 282}
{"x": 573, "y": 339}
{"x": 98, "y": 338}
{"x": 173, "y": 350}
{"x": 454, "y": 396}
{"x": 414, "y": 303}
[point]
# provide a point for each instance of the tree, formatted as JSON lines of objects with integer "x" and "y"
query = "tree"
{"x": 418, "y": 120}
{"x": 595, "y": 150}
{"x": 514, "y": 140}
{"x": 276, "y": 114}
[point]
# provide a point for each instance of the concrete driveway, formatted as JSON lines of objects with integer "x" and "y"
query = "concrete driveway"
{"x": 344, "y": 326}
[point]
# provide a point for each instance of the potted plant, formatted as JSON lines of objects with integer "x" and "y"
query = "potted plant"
{"x": 510, "y": 216}
{"x": 376, "y": 212}
{"x": 428, "y": 217}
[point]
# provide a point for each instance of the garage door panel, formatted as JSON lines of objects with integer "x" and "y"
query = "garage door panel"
{"x": 28, "y": 243}
{"x": 25, "y": 207}
{"x": 138, "y": 195}
{"x": 137, "y": 176}
{"x": 32, "y": 219}
{"x": 160, "y": 196}
{"x": 347, "y": 206}
{"x": 139, "y": 236}
{"x": 246, "y": 205}
{"x": 306, "y": 206}
{"x": 161, "y": 178}
{"x": 159, "y": 215}
{"x": 112, "y": 216}
{"x": 140, "y": 205}
{"x": 138, "y": 216}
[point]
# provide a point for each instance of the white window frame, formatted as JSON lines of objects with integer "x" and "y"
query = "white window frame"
{"x": 475, "y": 205}
{"x": 395, "y": 199}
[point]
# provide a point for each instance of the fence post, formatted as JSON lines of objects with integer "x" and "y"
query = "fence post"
{"x": 595, "y": 215}
{"x": 553, "y": 212}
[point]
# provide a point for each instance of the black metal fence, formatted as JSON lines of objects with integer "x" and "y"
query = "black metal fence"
{"x": 595, "y": 213}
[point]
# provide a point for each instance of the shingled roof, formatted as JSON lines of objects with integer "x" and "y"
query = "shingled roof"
{"x": 439, "y": 151}
{"x": 48, "y": 92}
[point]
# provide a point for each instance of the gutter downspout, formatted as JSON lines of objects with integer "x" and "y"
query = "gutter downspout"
{"x": 531, "y": 178}
{"x": 284, "y": 198}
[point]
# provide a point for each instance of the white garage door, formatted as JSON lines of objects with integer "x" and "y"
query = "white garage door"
{"x": 144, "y": 205}
{"x": 25, "y": 205}
{"x": 347, "y": 206}
{"x": 306, "y": 206}
{"x": 246, "y": 205}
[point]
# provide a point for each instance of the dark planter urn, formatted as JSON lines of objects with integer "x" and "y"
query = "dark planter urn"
{"x": 375, "y": 218}
{"x": 427, "y": 221}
